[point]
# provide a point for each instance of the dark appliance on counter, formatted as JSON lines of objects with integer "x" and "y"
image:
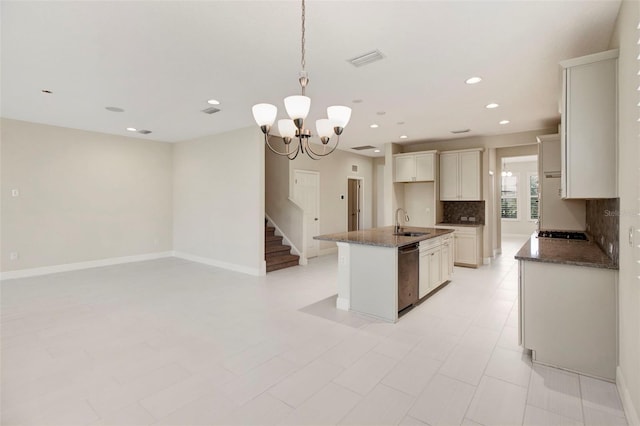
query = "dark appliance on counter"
{"x": 408, "y": 269}
{"x": 565, "y": 235}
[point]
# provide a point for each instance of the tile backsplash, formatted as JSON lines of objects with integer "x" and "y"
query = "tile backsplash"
{"x": 455, "y": 211}
{"x": 603, "y": 223}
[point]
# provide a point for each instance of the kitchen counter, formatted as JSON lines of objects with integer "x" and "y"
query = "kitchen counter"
{"x": 383, "y": 237}
{"x": 467, "y": 224}
{"x": 567, "y": 252}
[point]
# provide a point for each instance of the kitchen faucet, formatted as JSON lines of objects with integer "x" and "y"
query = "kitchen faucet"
{"x": 406, "y": 218}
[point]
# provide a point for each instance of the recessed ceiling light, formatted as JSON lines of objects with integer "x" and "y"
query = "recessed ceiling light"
{"x": 357, "y": 101}
{"x": 131, "y": 129}
{"x": 400, "y": 123}
{"x": 48, "y": 92}
{"x": 461, "y": 131}
{"x": 492, "y": 105}
{"x": 114, "y": 109}
{"x": 404, "y": 137}
{"x": 381, "y": 113}
{"x": 505, "y": 122}
{"x": 213, "y": 102}
{"x": 374, "y": 126}
{"x": 376, "y": 150}
{"x": 473, "y": 80}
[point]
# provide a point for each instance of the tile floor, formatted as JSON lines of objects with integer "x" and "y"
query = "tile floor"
{"x": 171, "y": 342}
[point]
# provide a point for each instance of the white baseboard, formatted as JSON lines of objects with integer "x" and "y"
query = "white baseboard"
{"x": 629, "y": 410}
{"x": 342, "y": 304}
{"x": 330, "y": 250}
{"x": 486, "y": 260}
{"x": 221, "y": 264}
{"x": 497, "y": 252}
{"x": 45, "y": 270}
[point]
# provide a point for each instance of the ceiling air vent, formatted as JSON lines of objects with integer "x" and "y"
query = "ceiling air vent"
{"x": 455, "y": 132}
{"x": 360, "y": 148}
{"x": 367, "y": 58}
{"x": 144, "y": 132}
{"x": 211, "y": 110}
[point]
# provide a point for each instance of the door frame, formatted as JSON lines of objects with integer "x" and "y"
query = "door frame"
{"x": 361, "y": 201}
{"x": 305, "y": 231}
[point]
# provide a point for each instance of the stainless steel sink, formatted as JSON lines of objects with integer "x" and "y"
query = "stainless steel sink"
{"x": 410, "y": 234}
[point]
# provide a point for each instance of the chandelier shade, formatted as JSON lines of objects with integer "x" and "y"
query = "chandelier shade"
{"x": 287, "y": 128}
{"x": 324, "y": 128}
{"x": 297, "y": 107}
{"x": 264, "y": 114}
{"x": 339, "y": 115}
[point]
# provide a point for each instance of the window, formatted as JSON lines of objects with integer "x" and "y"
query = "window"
{"x": 509, "y": 197}
{"x": 533, "y": 196}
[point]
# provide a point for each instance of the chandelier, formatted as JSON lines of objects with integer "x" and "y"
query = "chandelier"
{"x": 297, "y": 107}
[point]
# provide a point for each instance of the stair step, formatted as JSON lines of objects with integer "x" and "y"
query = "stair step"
{"x": 269, "y": 230}
{"x": 277, "y": 250}
{"x": 272, "y": 240}
{"x": 281, "y": 262}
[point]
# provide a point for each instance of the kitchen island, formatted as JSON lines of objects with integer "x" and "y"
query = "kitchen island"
{"x": 369, "y": 270}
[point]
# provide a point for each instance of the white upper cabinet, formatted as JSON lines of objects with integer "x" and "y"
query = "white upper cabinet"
{"x": 588, "y": 131}
{"x": 415, "y": 167}
{"x": 460, "y": 176}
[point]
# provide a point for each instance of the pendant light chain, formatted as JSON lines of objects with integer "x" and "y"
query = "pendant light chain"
{"x": 303, "y": 61}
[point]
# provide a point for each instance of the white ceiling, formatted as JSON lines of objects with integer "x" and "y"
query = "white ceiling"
{"x": 161, "y": 61}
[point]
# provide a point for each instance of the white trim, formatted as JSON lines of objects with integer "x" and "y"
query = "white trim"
{"x": 486, "y": 260}
{"x": 627, "y": 403}
{"x": 342, "y": 304}
{"x": 303, "y": 259}
{"x": 46, "y": 270}
{"x": 594, "y": 57}
{"x": 224, "y": 265}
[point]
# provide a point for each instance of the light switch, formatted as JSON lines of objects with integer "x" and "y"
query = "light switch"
{"x": 15, "y": 193}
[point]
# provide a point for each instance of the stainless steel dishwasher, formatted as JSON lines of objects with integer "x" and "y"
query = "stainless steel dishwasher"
{"x": 408, "y": 269}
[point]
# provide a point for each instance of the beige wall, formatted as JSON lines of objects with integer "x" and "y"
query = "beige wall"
{"x": 83, "y": 196}
{"x": 218, "y": 193}
{"x": 625, "y": 38}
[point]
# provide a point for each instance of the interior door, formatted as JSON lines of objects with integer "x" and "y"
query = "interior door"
{"x": 353, "y": 207}
{"x": 306, "y": 192}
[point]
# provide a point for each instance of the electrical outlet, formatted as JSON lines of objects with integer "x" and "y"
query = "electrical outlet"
{"x": 464, "y": 218}
{"x": 472, "y": 219}
{"x": 14, "y": 255}
{"x": 610, "y": 248}
{"x": 15, "y": 192}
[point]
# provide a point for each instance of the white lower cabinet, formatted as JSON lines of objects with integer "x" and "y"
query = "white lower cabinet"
{"x": 568, "y": 316}
{"x": 433, "y": 269}
{"x": 467, "y": 245}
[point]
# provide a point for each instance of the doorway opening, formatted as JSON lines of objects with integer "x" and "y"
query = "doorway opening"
{"x": 354, "y": 204}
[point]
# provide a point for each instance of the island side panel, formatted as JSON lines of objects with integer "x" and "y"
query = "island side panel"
{"x": 344, "y": 277}
{"x": 374, "y": 281}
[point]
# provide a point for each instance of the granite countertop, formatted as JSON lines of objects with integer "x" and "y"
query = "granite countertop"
{"x": 467, "y": 224}
{"x": 383, "y": 236}
{"x": 568, "y": 252}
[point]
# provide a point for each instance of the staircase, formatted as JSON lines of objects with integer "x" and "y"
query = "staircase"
{"x": 277, "y": 255}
